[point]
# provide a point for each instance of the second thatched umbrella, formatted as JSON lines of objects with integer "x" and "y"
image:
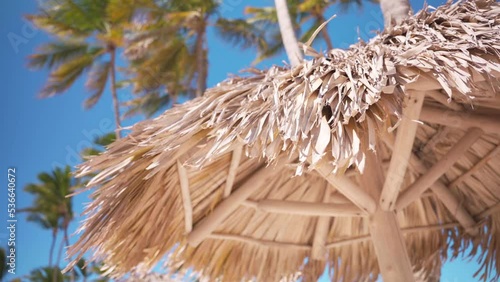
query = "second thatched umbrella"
{"x": 379, "y": 158}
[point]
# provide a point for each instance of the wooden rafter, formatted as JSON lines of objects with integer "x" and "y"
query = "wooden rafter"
{"x": 441, "y": 98}
{"x": 450, "y": 201}
{"x": 186, "y": 198}
{"x": 231, "y": 203}
{"x": 260, "y": 242}
{"x": 334, "y": 244}
{"x": 233, "y": 167}
{"x": 347, "y": 187}
{"x": 476, "y": 167}
{"x": 310, "y": 209}
{"x": 464, "y": 119}
{"x": 306, "y": 208}
{"x": 365, "y": 238}
{"x": 401, "y": 152}
{"x": 489, "y": 211}
{"x": 425, "y": 181}
{"x": 493, "y": 102}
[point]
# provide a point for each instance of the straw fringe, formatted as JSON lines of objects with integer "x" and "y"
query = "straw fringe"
{"x": 332, "y": 108}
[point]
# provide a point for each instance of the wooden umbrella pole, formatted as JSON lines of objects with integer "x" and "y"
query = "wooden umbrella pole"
{"x": 386, "y": 235}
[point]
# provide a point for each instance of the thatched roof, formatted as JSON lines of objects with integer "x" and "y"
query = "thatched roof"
{"x": 252, "y": 173}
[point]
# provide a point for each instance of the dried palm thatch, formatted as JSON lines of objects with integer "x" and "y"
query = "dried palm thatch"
{"x": 267, "y": 170}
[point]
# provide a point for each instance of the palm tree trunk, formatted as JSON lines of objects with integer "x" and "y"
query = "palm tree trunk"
{"x": 288, "y": 33}
{"x": 394, "y": 11}
{"x": 201, "y": 61}
{"x": 66, "y": 239}
{"x": 116, "y": 104}
{"x": 52, "y": 245}
{"x": 56, "y": 266}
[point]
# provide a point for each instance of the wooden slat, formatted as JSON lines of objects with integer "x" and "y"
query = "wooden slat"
{"x": 310, "y": 209}
{"x": 489, "y": 211}
{"x": 402, "y": 151}
{"x": 231, "y": 203}
{"x": 348, "y": 188}
{"x": 233, "y": 168}
{"x": 365, "y": 238}
{"x": 444, "y": 99}
{"x": 476, "y": 167}
{"x": 438, "y": 169}
{"x": 462, "y": 120}
{"x": 186, "y": 198}
{"x": 259, "y": 242}
{"x": 450, "y": 201}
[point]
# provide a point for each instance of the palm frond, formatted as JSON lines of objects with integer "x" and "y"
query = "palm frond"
{"x": 65, "y": 75}
{"x": 147, "y": 105}
{"x": 96, "y": 82}
{"x": 241, "y": 33}
{"x": 106, "y": 139}
{"x": 53, "y": 54}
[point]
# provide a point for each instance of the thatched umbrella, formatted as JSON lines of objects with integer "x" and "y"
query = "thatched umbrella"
{"x": 379, "y": 158}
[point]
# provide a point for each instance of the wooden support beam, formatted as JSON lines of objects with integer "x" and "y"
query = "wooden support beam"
{"x": 493, "y": 102}
{"x": 444, "y": 100}
{"x": 310, "y": 209}
{"x": 347, "y": 187}
{"x": 365, "y": 238}
{"x": 259, "y": 242}
{"x": 186, "y": 198}
{"x": 387, "y": 238}
{"x": 233, "y": 168}
{"x": 319, "y": 251}
{"x": 231, "y": 203}
{"x": 464, "y": 119}
{"x": 476, "y": 167}
{"x": 450, "y": 201}
{"x": 402, "y": 151}
{"x": 489, "y": 211}
{"x": 438, "y": 169}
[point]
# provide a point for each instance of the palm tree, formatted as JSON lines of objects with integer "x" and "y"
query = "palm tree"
{"x": 47, "y": 274}
{"x": 167, "y": 47}
{"x": 307, "y": 13}
{"x": 52, "y": 209}
{"x": 86, "y": 35}
{"x": 100, "y": 143}
{"x": 3, "y": 264}
{"x": 394, "y": 12}
{"x": 288, "y": 33}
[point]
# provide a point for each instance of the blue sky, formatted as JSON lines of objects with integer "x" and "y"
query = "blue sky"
{"x": 40, "y": 134}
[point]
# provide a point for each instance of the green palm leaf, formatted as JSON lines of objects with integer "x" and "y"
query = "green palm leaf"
{"x": 53, "y": 54}
{"x": 65, "y": 75}
{"x": 241, "y": 33}
{"x": 96, "y": 82}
